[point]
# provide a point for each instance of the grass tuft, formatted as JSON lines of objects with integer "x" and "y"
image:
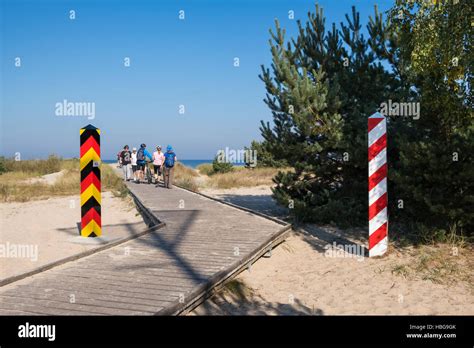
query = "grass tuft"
{"x": 14, "y": 186}
{"x": 32, "y": 167}
{"x": 205, "y": 169}
{"x": 185, "y": 177}
{"x": 204, "y": 176}
{"x": 238, "y": 289}
{"x": 441, "y": 264}
{"x": 243, "y": 177}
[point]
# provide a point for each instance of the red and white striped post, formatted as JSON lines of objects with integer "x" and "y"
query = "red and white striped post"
{"x": 378, "y": 221}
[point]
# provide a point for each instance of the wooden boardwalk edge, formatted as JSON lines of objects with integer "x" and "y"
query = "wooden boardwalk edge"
{"x": 142, "y": 209}
{"x": 219, "y": 279}
{"x": 81, "y": 255}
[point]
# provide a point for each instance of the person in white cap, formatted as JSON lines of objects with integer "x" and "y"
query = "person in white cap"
{"x": 134, "y": 163}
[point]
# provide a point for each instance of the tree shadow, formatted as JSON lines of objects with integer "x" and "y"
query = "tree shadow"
{"x": 169, "y": 245}
{"x": 237, "y": 299}
{"x": 319, "y": 237}
{"x": 322, "y": 238}
{"x": 263, "y": 203}
{"x": 156, "y": 239}
{"x": 133, "y": 229}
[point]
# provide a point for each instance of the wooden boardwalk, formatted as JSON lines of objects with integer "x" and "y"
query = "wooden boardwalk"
{"x": 166, "y": 271}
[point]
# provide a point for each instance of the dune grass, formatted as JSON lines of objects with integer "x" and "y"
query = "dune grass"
{"x": 205, "y": 169}
{"x": 180, "y": 170}
{"x": 203, "y": 177}
{"x": 440, "y": 263}
{"x": 32, "y": 167}
{"x": 14, "y": 185}
{"x": 243, "y": 177}
{"x": 112, "y": 182}
{"x": 185, "y": 177}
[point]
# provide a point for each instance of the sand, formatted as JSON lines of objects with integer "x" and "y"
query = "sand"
{"x": 48, "y": 230}
{"x": 303, "y": 278}
{"x": 47, "y": 179}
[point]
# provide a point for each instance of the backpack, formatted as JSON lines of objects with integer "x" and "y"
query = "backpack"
{"x": 169, "y": 159}
{"x": 141, "y": 154}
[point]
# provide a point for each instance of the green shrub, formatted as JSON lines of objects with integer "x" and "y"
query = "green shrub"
{"x": 3, "y": 168}
{"x": 219, "y": 166}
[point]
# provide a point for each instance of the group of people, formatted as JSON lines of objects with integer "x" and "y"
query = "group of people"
{"x": 135, "y": 163}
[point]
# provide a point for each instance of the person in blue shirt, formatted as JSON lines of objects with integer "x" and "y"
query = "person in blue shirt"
{"x": 168, "y": 173}
{"x": 142, "y": 154}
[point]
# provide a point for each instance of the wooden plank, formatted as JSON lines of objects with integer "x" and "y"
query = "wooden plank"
{"x": 201, "y": 258}
{"x": 90, "y": 307}
{"x": 170, "y": 273}
{"x": 17, "y": 312}
{"x": 96, "y": 295}
{"x": 95, "y": 300}
{"x": 107, "y": 289}
{"x": 174, "y": 273}
{"x": 119, "y": 278}
{"x": 121, "y": 284}
{"x": 177, "y": 254}
{"x": 45, "y": 307}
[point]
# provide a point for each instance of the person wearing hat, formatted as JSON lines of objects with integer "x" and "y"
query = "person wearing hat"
{"x": 170, "y": 159}
{"x": 158, "y": 159}
{"x": 134, "y": 163}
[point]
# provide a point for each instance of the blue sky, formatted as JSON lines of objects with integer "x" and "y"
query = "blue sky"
{"x": 172, "y": 62}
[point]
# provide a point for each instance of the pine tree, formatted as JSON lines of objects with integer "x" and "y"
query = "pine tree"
{"x": 351, "y": 84}
{"x": 307, "y": 131}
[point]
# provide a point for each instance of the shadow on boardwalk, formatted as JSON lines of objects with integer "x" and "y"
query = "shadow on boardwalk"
{"x": 156, "y": 240}
{"x": 133, "y": 229}
{"x": 316, "y": 236}
{"x": 170, "y": 245}
{"x": 260, "y": 203}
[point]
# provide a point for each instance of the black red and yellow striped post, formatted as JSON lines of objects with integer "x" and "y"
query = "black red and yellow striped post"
{"x": 91, "y": 225}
